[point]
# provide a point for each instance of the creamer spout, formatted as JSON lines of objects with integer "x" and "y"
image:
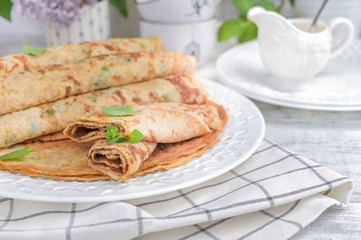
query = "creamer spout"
{"x": 255, "y": 14}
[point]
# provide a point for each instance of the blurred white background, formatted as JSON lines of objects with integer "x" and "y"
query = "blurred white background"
{"x": 23, "y": 29}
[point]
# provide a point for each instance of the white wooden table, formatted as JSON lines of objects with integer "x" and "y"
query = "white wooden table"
{"x": 329, "y": 138}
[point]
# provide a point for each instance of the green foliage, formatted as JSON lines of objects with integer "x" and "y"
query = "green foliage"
{"x": 121, "y": 6}
{"x": 5, "y": 9}
{"x": 242, "y": 28}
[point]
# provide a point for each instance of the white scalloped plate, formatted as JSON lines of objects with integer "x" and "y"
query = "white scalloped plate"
{"x": 240, "y": 138}
{"x": 336, "y": 88}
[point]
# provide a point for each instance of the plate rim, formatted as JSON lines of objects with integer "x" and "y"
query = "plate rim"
{"x": 166, "y": 189}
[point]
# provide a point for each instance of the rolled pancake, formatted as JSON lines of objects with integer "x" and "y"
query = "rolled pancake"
{"x": 55, "y": 160}
{"x": 170, "y": 155}
{"x": 75, "y": 52}
{"x": 43, "y": 85}
{"x": 119, "y": 160}
{"x": 164, "y": 157}
{"x": 53, "y": 117}
{"x": 166, "y": 122}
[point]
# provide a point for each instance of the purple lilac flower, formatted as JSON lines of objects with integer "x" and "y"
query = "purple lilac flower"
{"x": 55, "y": 13}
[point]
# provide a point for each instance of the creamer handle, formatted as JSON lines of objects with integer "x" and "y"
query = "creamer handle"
{"x": 350, "y": 32}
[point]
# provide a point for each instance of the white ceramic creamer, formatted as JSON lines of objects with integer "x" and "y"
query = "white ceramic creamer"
{"x": 291, "y": 53}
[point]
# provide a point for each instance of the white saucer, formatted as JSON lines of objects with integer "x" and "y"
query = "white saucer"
{"x": 336, "y": 88}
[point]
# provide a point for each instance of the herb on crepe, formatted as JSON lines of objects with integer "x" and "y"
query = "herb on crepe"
{"x": 33, "y": 51}
{"x": 17, "y": 154}
{"x": 119, "y": 111}
{"x": 113, "y": 136}
{"x": 135, "y": 137}
{"x": 242, "y": 28}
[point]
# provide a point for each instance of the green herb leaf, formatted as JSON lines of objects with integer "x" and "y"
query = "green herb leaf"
{"x": 113, "y": 136}
{"x": 5, "y": 9}
{"x": 111, "y": 141}
{"x": 231, "y": 28}
{"x": 121, "y": 5}
{"x": 119, "y": 111}
{"x": 112, "y": 132}
{"x": 17, "y": 154}
{"x": 135, "y": 137}
{"x": 106, "y": 69}
{"x": 243, "y": 6}
{"x": 249, "y": 34}
{"x": 33, "y": 51}
{"x": 47, "y": 111}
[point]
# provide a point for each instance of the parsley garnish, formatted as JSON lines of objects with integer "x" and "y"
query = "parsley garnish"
{"x": 113, "y": 136}
{"x": 119, "y": 111}
{"x": 33, "y": 51}
{"x": 17, "y": 154}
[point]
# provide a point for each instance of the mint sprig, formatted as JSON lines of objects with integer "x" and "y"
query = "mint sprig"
{"x": 113, "y": 136}
{"x": 33, "y": 51}
{"x": 119, "y": 111}
{"x": 242, "y": 28}
{"x": 135, "y": 137}
{"x": 17, "y": 154}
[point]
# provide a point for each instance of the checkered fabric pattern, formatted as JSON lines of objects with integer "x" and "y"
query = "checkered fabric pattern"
{"x": 272, "y": 195}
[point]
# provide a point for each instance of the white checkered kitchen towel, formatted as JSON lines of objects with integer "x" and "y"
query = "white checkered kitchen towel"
{"x": 272, "y": 195}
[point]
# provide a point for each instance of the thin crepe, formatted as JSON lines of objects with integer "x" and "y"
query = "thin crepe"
{"x": 75, "y": 52}
{"x": 120, "y": 160}
{"x": 53, "y": 117}
{"x": 61, "y": 160}
{"x": 43, "y": 85}
{"x": 166, "y": 122}
{"x": 64, "y": 159}
{"x": 127, "y": 159}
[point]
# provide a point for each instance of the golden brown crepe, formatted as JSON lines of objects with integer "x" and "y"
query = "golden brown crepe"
{"x": 64, "y": 159}
{"x": 75, "y": 52}
{"x": 166, "y": 122}
{"x": 170, "y": 155}
{"x": 43, "y": 85}
{"x": 53, "y": 117}
{"x": 55, "y": 160}
{"x": 120, "y": 160}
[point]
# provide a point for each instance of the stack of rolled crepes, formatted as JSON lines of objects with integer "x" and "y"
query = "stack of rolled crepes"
{"x": 67, "y": 87}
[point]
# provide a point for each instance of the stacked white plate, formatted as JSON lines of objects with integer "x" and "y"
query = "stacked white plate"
{"x": 336, "y": 88}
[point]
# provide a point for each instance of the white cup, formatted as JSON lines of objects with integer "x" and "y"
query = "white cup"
{"x": 198, "y": 38}
{"x": 176, "y": 11}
